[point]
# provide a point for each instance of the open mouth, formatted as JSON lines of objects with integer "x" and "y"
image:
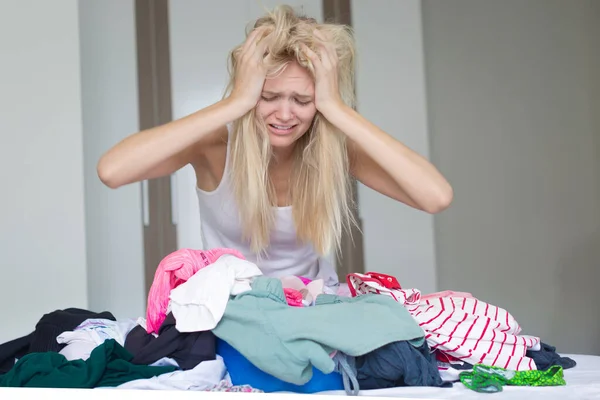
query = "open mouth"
{"x": 281, "y": 129}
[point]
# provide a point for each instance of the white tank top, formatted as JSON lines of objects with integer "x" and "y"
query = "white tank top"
{"x": 220, "y": 227}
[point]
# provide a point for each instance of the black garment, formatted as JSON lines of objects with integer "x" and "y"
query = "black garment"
{"x": 398, "y": 364}
{"x": 445, "y": 360}
{"x": 188, "y": 349}
{"x": 11, "y": 350}
{"x": 43, "y": 338}
{"x": 547, "y": 357}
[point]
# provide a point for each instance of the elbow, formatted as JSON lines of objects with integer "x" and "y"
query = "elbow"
{"x": 107, "y": 175}
{"x": 442, "y": 201}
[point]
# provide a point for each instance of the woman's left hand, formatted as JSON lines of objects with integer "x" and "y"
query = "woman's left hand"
{"x": 327, "y": 94}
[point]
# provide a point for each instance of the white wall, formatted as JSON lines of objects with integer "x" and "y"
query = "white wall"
{"x": 514, "y": 124}
{"x": 199, "y": 76}
{"x": 390, "y": 91}
{"x": 42, "y": 231}
{"x": 115, "y": 252}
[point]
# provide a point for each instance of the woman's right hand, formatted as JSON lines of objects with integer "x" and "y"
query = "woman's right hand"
{"x": 250, "y": 69}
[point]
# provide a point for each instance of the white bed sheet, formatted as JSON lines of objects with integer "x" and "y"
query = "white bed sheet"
{"x": 583, "y": 383}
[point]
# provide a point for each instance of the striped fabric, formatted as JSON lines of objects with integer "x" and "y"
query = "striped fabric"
{"x": 466, "y": 328}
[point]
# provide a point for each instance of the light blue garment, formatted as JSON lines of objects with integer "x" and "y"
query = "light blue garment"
{"x": 287, "y": 342}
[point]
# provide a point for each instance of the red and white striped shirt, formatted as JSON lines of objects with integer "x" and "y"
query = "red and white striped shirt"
{"x": 466, "y": 328}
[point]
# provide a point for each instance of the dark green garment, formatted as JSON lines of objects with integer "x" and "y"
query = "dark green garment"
{"x": 108, "y": 365}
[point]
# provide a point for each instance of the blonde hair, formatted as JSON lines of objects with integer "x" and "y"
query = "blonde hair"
{"x": 320, "y": 185}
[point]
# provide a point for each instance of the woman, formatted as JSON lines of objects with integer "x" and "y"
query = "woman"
{"x": 273, "y": 159}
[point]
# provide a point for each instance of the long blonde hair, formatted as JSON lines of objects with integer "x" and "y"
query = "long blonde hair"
{"x": 320, "y": 185}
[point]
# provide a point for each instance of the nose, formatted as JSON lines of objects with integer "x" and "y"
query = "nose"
{"x": 284, "y": 111}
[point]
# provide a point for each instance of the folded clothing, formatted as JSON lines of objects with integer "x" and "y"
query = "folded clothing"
{"x": 287, "y": 342}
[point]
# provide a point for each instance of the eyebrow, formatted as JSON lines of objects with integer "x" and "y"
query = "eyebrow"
{"x": 298, "y": 95}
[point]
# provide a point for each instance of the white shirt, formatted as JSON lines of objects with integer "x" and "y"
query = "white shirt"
{"x": 285, "y": 256}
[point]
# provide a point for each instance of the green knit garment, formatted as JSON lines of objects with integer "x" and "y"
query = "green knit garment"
{"x": 487, "y": 379}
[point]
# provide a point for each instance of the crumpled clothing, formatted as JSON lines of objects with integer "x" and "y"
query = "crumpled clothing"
{"x": 305, "y": 280}
{"x": 173, "y": 270}
{"x": 202, "y": 377}
{"x": 486, "y": 379}
{"x": 92, "y": 333}
{"x": 225, "y": 386}
{"x": 466, "y": 328}
{"x": 293, "y": 297}
{"x": 109, "y": 365}
{"x": 346, "y": 366}
{"x": 309, "y": 291}
{"x": 401, "y": 363}
{"x": 199, "y": 304}
{"x": 547, "y": 356}
{"x": 446, "y": 293}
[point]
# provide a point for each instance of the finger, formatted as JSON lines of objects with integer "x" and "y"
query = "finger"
{"x": 320, "y": 35}
{"x": 312, "y": 56}
{"x": 253, "y": 39}
{"x": 262, "y": 44}
{"x": 325, "y": 57}
{"x": 327, "y": 48}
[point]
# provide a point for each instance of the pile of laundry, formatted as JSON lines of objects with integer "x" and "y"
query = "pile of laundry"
{"x": 214, "y": 322}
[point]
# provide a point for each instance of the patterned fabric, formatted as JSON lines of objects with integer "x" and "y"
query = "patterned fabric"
{"x": 487, "y": 379}
{"x": 462, "y": 327}
{"x": 225, "y": 386}
{"x": 373, "y": 282}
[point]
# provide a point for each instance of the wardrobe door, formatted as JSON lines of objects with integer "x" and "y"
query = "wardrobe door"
{"x": 351, "y": 255}
{"x": 154, "y": 95}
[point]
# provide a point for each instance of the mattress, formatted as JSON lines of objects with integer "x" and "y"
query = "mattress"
{"x": 583, "y": 383}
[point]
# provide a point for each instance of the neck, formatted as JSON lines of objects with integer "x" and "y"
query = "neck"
{"x": 283, "y": 156}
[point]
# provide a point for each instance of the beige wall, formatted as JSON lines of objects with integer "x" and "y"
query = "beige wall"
{"x": 513, "y": 106}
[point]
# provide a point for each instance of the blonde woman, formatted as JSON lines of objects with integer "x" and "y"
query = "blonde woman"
{"x": 274, "y": 158}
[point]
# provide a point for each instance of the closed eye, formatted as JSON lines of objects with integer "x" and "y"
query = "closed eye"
{"x": 303, "y": 103}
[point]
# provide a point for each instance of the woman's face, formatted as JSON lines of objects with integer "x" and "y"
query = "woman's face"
{"x": 287, "y": 105}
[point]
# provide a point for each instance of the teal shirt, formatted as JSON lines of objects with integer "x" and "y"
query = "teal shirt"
{"x": 286, "y": 342}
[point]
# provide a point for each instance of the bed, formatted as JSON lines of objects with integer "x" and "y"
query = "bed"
{"x": 583, "y": 383}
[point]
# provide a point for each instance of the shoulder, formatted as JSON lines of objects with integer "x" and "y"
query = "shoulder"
{"x": 213, "y": 145}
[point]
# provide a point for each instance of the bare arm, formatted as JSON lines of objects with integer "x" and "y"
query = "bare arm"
{"x": 164, "y": 149}
{"x": 388, "y": 166}
{"x": 378, "y": 160}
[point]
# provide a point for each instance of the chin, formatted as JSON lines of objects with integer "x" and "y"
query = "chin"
{"x": 281, "y": 141}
